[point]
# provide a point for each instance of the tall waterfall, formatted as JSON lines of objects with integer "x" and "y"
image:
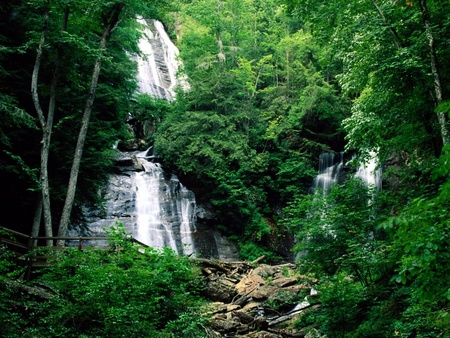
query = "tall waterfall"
{"x": 165, "y": 209}
{"x": 153, "y": 206}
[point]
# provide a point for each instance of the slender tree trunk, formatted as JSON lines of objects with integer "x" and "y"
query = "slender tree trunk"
{"x": 45, "y": 135}
{"x": 37, "y": 219}
{"x": 435, "y": 71}
{"x": 71, "y": 189}
{"x": 46, "y": 125}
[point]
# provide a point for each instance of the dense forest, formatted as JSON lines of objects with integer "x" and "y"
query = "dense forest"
{"x": 272, "y": 85}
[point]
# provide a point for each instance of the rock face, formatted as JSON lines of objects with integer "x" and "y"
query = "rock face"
{"x": 256, "y": 301}
{"x": 156, "y": 209}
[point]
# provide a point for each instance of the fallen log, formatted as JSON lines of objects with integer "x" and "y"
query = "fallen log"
{"x": 32, "y": 290}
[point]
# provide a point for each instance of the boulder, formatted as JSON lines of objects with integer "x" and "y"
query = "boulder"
{"x": 220, "y": 290}
{"x": 260, "y": 301}
{"x": 263, "y": 334}
{"x": 284, "y": 282}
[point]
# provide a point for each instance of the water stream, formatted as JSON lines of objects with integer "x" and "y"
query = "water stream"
{"x": 165, "y": 209}
{"x": 153, "y": 206}
{"x": 370, "y": 173}
{"x": 158, "y": 62}
{"x": 330, "y": 171}
{"x": 330, "y": 167}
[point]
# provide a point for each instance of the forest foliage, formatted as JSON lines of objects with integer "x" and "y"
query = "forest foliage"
{"x": 120, "y": 290}
{"x": 272, "y": 84}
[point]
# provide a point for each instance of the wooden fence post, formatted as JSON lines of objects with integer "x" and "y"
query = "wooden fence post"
{"x": 30, "y": 258}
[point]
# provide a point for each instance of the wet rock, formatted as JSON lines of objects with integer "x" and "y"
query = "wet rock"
{"x": 205, "y": 211}
{"x": 245, "y": 292}
{"x": 129, "y": 145}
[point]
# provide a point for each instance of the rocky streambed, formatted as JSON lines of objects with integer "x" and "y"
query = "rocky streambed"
{"x": 257, "y": 300}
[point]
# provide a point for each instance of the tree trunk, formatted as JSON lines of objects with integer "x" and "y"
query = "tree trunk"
{"x": 45, "y": 135}
{"x": 71, "y": 189}
{"x": 37, "y": 219}
{"x": 46, "y": 125}
{"x": 435, "y": 71}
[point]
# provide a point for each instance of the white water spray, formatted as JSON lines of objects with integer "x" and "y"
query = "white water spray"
{"x": 165, "y": 209}
{"x": 158, "y": 62}
{"x": 330, "y": 166}
{"x": 370, "y": 173}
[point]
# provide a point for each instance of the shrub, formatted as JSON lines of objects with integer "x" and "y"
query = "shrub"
{"x": 121, "y": 292}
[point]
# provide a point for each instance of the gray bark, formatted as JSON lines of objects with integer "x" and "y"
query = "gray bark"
{"x": 37, "y": 219}
{"x": 435, "y": 71}
{"x": 46, "y": 125}
{"x": 45, "y": 135}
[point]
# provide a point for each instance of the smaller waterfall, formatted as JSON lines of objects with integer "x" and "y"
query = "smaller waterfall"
{"x": 330, "y": 166}
{"x": 165, "y": 209}
{"x": 369, "y": 173}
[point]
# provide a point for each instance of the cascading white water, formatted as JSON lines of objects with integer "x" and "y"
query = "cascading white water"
{"x": 329, "y": 170}
{"x": 158, "y": 62}
{"x": 187, "y": 227}
{"x": 150, "y": 229}
{"x": 330, "y": 166}
{"x": 165, "y": 209}
{"x": 369, "y": 172}
{"x": 152, "y": 207}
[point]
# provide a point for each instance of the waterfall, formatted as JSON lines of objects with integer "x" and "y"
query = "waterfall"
{"x": 158, "y": 62}
{"x": 369, "y": 173}
{"x": 330, "y": 166}
{"x": 153, "y": 206}
{"x": 329, "y": 174}
{"x": 165, "y": 209}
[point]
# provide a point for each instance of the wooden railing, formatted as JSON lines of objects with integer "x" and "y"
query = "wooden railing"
{"x": 28, "y": 243}
{"x": 25, "y": 247}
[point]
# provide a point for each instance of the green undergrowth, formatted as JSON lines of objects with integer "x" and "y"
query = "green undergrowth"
{"x": 124, "y": 291}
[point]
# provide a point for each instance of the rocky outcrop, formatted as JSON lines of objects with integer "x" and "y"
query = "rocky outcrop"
{"x": 172, "y": 206}
{"x": 259, "y": 301}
